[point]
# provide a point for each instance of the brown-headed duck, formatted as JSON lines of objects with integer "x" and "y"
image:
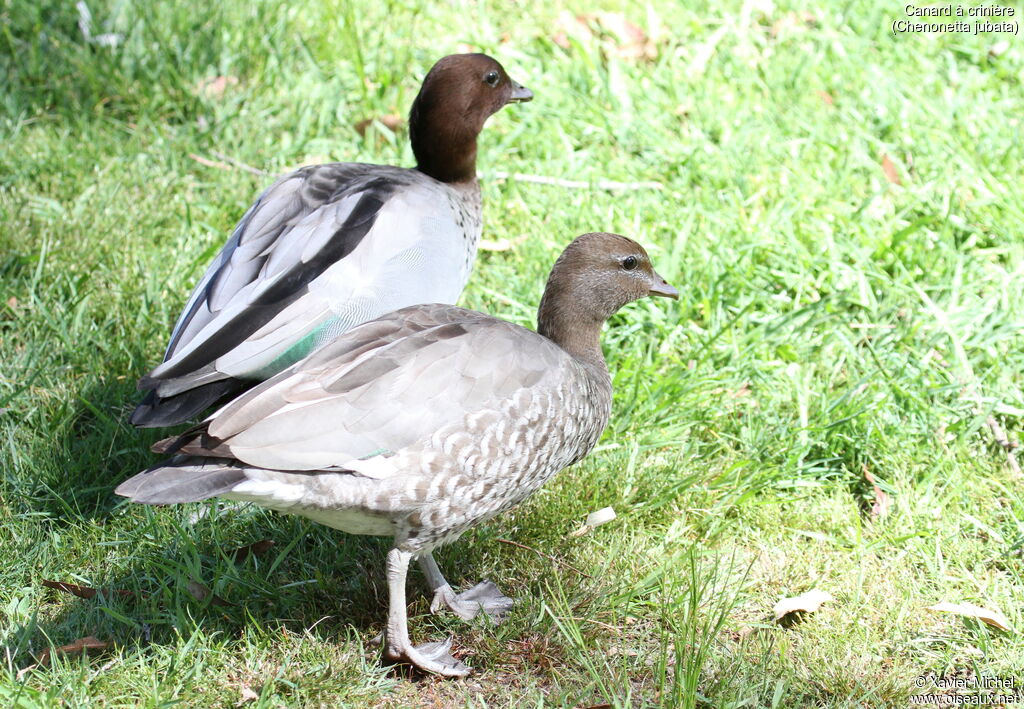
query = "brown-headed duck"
{"x": 421, "y": 424}
{"x": 330, "y": 246}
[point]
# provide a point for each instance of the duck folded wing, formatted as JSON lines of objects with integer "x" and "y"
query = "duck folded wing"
{"x": 240, "y": 263}
{"x": 325, "y": 275}
{"x": 380, "y": 388}
{"x": 288, "y": 239}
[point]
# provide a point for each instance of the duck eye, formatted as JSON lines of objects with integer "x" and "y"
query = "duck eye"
{"x": 492, "y": 78}
{"x": 629, "y": 263}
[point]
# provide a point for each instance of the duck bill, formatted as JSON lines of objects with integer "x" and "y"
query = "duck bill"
{"x": 661, "y": 287}
{"x": 520, "y": 94}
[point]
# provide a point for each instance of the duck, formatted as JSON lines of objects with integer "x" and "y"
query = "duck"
{"x": 420, "y": 425}
{"x": 330, "y": 246}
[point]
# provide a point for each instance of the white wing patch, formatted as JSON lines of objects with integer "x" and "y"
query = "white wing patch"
{"x": 415, "y": 253}
{"x": 316, "y": 502}
{"x": 378, "y": 467}
{"x": 275, "y": 490}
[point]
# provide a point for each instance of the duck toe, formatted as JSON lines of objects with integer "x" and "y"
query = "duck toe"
{"x": 485, "y": 596}
{"x": 433, "y": 657}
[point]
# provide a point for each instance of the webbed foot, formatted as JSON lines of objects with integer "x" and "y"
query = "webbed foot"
{"x": 430, "y": 657}
{"x": 485, "y": 596}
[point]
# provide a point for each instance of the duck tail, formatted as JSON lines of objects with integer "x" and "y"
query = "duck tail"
{"x": 155, "y": 411}
{"x": 182, "y": 478}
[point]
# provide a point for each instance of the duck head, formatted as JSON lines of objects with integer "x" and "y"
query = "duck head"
{"x": 597, "y": 274}
{"x": 458, "y": 95}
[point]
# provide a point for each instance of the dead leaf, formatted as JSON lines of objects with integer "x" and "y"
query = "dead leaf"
{"x": 572, "y": 26}
{"x": 746, "y": 631}
{"x": 881, "y": 500}
{"x": 86, "y": 644}
{"x": 601, "y": 516}
{"x": 501, "y": 244}
{"x": 215, "y": 86}
{"x": 83, "y": 591}
{"x": 247, "y": 696}
{"x": 969, "y": 610}
{"x": 255, "y": 549}
{"x": 892, "y": 174}
{"x": 560, "y": 39}
{"x": 793, "y": 21}
{"x": 12, "y": 302}
{"x": 201, "y": 592}
{"x": 826, "y": 98}
{"x": 807, "y": 602}
{"x": 742, "y": 392}
{"x": 392, "y": 122}
{"x": 624, "y": 38}
{"x": 73, "y": 589}
{"x": 595, "y": 519}
{"x": 632, "y": 42}
{"x": 999, "y": 48}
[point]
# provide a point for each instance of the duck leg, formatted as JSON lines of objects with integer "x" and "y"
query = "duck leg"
{"x": 485, "y": 596}
{"x": 429, "y": 657}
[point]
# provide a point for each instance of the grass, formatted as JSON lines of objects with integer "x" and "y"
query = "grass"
{"x": 841, "y": 211}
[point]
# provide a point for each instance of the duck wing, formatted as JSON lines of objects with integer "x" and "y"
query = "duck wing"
{"x": 380, "y": 388}
{"x": 303, "y": 265}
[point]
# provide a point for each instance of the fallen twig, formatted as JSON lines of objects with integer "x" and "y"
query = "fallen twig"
{"x": 239, "y": 164}
{"x": 255, "y": 549}
{"x": 546, "y": 556}
{"x": 228, "y": 164}
{"x": 82, "y": 645}
{"x": 606, "y": 626}
{"x": 576, "y": 184}
{"x": 84, "y": 591}
{"x": 209, "y": 163}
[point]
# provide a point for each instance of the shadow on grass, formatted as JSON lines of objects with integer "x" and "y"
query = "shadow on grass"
{"x": 92, "y": 449}
{"x": 313, "y": 580}
{"x": 184, "y": 577}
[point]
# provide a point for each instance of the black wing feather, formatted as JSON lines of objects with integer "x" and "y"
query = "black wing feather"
{"x": 155, "y": 411}
{"x": 290, "y": 286}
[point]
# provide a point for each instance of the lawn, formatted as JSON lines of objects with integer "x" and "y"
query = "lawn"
{"x": 840, "y": 208}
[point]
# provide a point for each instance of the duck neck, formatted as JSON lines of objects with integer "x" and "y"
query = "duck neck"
{"x": 443, "y": 142}
{"x": 575, "y": 332}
